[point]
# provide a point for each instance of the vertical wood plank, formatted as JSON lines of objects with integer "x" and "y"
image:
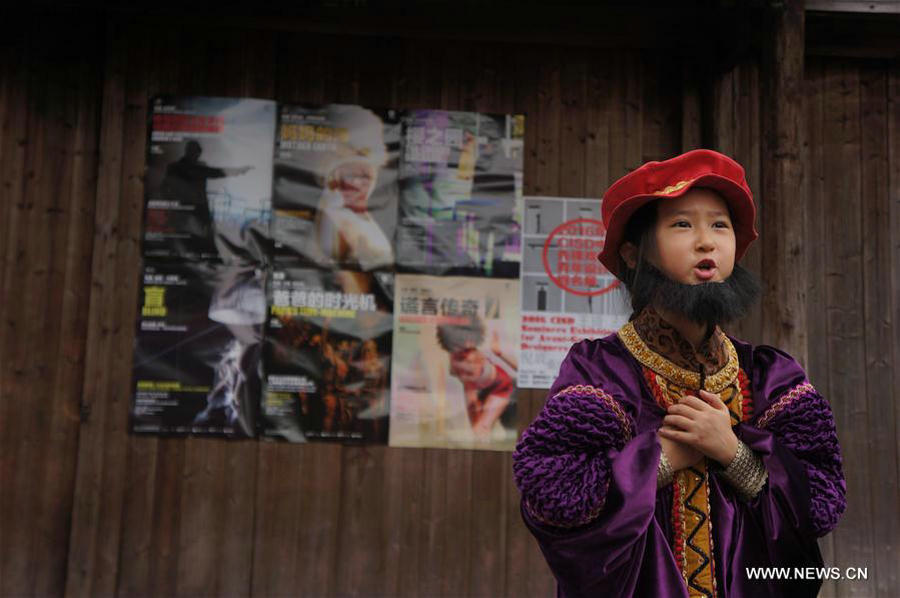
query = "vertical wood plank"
{"x": 176, "y": 64}
{"x": 67, "y": 200}
{"x": 361, "y": 532}
{"x": 721, "y": 116}
{"x": 97, "y": 507}
{"x": 818, "y": 367}
{"x": 893, "y": 223}
{"x": 783, "y": 256}
{"x": 573, "y": 123}
{"x": 597, "y": 148}
{"x": 431, "y": 570}
{"x": 631, "y": 79}
{"x": 691, "y": 126}
{"x": 139, "y": 548}
{"x": 748, "y": 133}
{"x": 539, "y": 71}
{"x": 661, "y": 110}
{"x": 844, "y": 305}
{"x": 877, "y": 291}
{"x": 13, "y": 110}
{"x": 17, "y": 504}
{"x": 404, "y": 519}
{"x": 279, "y": 500}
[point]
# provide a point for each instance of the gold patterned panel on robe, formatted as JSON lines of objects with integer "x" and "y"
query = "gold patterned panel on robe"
{"x": 692, "y": 541}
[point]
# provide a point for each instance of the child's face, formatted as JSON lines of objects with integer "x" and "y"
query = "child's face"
{"x": 467, "y": 364}
{"x": 355, "y": 180}
{"x": 692, "y": 229}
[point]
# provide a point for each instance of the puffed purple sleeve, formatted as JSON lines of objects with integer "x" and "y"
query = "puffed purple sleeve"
{"x": 588, "y": 485}
{"x": 795, "y": 434}
{"x": 562, "y": 461}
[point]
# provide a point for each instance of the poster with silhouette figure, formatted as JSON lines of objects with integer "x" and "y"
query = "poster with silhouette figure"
{"x": 209, "y": 178}
{"x": 328, "y": 355}
{"x": 456, "y": 343}
{"x": 460, "y": 210}
{"x": 197, "y": 352}
{"x": 335, "y": 186}
{"x": 567, "y": 294}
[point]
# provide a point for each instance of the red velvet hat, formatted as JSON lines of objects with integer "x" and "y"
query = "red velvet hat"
{"x": 674, "y": 178}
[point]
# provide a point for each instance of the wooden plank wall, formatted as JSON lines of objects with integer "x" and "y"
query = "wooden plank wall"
{"x": 50, "y": 114}
{"x": 89, "y": 510}
{"x": 853, "y": 196}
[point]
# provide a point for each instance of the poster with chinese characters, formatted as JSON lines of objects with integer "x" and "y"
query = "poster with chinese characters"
{"x": 328, "y": 355}
{"x": 335, "y": 186}
{"x": 209, "y": 178}
{"x": 567, "y": 294}
{"x": 197, "y": 351}
{"x": 455, "y": 360}
{"x": 460, "y": 209}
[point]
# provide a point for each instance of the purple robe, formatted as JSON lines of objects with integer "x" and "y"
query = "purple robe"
{"x": 587, "y": 469}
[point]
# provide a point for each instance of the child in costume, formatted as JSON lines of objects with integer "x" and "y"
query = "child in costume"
{"x": 670, "y": 457}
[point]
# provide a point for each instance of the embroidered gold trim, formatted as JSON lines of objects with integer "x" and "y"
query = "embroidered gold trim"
{"x": 646, "y": 356}
{"x": 607, "y": 399}
{"x": 696, "y": 547}
{"x": 785, "y": 400}
{"x": 668, "y": 393}
{"x": 673, "y": 188}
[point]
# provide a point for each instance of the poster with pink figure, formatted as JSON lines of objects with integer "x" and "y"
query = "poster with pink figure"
{"x": 455, "y": 361}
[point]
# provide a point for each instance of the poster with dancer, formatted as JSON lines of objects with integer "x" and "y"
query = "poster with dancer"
{"x": 209, "y": 178}
{"x": 567, "y": 295}
{"x": 335, "y": 186}
{"x": 198, "y": 349}
{"x": 328, "y": 355}
{"x": 455, "y": 360}
{"x": 460, "y": 209}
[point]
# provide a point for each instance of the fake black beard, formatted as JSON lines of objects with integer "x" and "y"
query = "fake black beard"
{"x": 709, "y": 303}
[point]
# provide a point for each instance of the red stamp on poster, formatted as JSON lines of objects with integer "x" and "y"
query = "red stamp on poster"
{"x": 570, "y": 257}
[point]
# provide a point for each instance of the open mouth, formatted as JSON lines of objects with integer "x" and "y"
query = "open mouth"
{"x": 705, "y": 269}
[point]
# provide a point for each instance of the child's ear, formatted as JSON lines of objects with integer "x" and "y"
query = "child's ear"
{"x": 628, "y": 252}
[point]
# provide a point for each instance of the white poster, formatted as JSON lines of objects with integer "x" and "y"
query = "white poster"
{"x": 567, "y": 294}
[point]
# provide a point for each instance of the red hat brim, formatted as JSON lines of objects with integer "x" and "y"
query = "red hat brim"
{"x": 739, "y": 200}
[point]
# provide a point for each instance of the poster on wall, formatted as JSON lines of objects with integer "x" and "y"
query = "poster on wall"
{"x": 455, "y": 361}
{"x": 197, "y": 351}
{"x": 328, "y": 355}
{"x": 209, "y": 178}
{"x": 335, "y": 186}
{"x": 567, "y": 295}
{"x": 460, "y": 210}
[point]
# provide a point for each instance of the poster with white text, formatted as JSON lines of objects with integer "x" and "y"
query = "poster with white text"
{"x": 567, "y": 294}
{"x": 209, "y": 178}
{"x": 460, "y": 209}
{"x": 328, "y": 355}
{"x": 455, "y": 362}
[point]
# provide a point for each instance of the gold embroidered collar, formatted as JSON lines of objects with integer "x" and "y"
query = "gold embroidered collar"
{"x": 665, "y": 339}
{"x": 716, "y": 382}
